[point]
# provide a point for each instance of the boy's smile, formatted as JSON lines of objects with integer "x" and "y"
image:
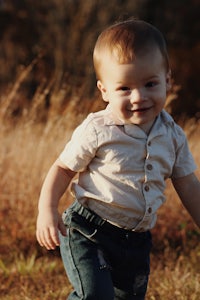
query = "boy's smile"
{"x": 136, "y": 91}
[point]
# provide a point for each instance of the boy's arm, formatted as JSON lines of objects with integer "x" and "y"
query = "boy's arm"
{"x": 49, "y": 220}
{"x": 188, "y": 189}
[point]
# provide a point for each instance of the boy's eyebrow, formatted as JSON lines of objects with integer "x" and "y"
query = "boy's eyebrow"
{"x": 124, "y": 82}
{"x": 152, "y": 77}
{"x": 127, "y": 81}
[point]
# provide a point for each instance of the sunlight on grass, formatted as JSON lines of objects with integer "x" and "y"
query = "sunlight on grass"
{"x": 32, "y": 277}
{"x": 176, "y": 278}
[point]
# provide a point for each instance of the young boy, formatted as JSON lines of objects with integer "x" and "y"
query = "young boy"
{"x": 123, "y": 155}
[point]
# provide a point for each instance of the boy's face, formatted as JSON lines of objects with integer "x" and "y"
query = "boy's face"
{"x": 135, "y": 91}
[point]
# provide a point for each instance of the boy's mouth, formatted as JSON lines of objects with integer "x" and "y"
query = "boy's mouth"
{"x": 139, "y": 109}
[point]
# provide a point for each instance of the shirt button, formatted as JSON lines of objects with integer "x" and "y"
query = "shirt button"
{"x": 146, "y": 188}
{"x": 149, "y": 210}
{"x": 149, "y": 143}
{"x": 149, "y": 167}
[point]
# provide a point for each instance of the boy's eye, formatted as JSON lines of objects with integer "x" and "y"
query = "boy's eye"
{"x": 151, "y": 84}
{"x": 124, "y": 88}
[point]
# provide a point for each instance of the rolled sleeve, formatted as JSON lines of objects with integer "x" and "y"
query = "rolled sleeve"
{"x": 81, "y": 149}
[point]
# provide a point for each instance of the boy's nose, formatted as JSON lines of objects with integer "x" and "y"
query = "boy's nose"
{"x": 137, "y": 95}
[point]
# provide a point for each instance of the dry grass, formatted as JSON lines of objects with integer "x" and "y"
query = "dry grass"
{"x": 29, "y": 272}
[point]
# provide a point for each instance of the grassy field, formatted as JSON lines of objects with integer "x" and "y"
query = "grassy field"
{"x": 29, "y": 272}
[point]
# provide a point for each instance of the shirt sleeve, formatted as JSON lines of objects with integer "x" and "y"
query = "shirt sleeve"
{"x": 184, "y": 164}
{"x": 81, "y": 148}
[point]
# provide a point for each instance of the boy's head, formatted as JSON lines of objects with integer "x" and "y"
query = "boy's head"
{"x": 132, "y": 68}
{"x": 127, "y": 40}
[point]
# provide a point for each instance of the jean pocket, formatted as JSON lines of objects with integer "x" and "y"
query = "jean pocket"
{"x": 83, "y": 226}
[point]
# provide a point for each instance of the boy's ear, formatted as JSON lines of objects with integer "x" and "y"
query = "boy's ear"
{"x": 168, "y": 80}
{"x": 102, "y": 90}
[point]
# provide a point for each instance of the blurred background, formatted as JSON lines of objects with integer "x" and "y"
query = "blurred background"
{"x": 46, "y": 47}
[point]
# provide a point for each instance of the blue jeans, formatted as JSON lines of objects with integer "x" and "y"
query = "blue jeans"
{"x": 102, "y": 261}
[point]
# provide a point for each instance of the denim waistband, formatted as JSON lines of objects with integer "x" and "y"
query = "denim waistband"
{"x": 92, "y": 217}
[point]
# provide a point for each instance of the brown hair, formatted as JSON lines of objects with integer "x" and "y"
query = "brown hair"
{"x": 125, "y": 40}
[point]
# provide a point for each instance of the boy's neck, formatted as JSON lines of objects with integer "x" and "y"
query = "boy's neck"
{"x": 147, "y": 126}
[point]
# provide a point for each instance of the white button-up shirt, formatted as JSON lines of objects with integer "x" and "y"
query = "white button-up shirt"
{"x": 122, "y": 170}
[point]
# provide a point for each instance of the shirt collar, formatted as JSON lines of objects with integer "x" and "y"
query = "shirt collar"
{"x": 160, "y": 125}
{"x": 111, "y": 119}
{"x": 131, "y": 129}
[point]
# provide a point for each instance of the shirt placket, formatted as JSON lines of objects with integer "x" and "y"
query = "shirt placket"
{"x": 148, "y": 169}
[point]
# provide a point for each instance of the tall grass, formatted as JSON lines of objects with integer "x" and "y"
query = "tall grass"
{"x": 29, "y": 272}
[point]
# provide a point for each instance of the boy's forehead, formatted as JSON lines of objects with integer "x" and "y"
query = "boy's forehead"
{"x": 147, "y": 65}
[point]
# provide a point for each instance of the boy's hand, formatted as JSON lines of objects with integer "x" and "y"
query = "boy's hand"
{"x": 48, "y": 224}
{"x": 49, "y": 221}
